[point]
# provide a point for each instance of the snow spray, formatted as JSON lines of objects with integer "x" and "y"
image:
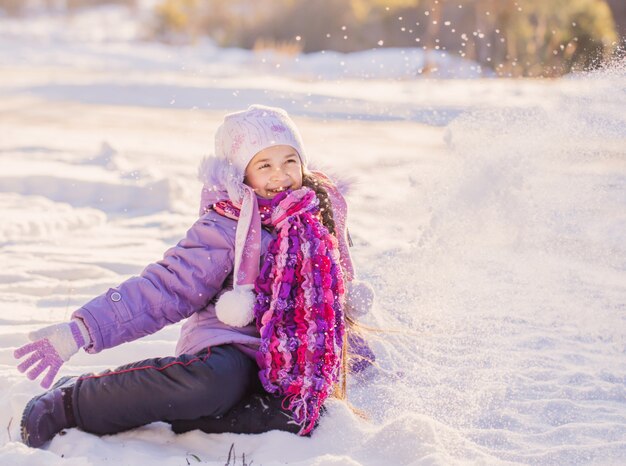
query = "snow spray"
{"x": 513, "y": 284}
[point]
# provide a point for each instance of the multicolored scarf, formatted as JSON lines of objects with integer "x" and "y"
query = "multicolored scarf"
{"x": 299, "y": 307}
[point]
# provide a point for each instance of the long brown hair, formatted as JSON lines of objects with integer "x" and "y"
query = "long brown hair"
{"x": 318, "y": 185}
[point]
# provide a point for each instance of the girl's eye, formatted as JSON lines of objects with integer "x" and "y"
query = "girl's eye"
{"x": 291, "y": 161}
{"x": 265, "y": 165}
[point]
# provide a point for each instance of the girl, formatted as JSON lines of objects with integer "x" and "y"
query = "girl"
{"x": 279, "y": 329}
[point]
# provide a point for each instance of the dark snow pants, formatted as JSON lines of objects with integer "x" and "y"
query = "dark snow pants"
{"x": 164, "y": 389}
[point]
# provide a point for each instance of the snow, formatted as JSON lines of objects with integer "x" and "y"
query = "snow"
{"x": 489, "y": 216}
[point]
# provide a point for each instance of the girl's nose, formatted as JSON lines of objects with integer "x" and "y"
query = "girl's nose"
{"x": 279, "y": 174}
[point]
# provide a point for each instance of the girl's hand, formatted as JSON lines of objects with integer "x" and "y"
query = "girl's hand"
{"x": 50, "y": 348}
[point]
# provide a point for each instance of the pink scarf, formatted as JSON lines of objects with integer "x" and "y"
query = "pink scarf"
{"x": 299, "y": 306}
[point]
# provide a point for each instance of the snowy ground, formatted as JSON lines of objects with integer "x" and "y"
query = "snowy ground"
{"x": 490, "y": 217}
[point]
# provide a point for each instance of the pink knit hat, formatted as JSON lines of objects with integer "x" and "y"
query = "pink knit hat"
{"x": 244, "y": 134}
{"x": 238, "y": 139}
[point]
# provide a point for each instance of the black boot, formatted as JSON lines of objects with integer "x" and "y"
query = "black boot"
{"x": 255, "y": 414}
{"x": 48, "y": 414}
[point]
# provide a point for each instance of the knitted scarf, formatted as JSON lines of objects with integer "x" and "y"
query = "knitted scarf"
{"x": 299, "y": 306}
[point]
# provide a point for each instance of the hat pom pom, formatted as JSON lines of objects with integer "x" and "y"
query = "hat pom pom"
{"x": 359, "y": 298}
{"x": 236, "y": 307}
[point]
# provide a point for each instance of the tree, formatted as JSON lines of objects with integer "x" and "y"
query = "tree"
{"x": 513, "y": 37}
{"x": 618, "y": 8}
{"x": 555, "y": 38}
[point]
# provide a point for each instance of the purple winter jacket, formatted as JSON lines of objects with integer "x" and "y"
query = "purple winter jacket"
{"x": 185, "y": 284}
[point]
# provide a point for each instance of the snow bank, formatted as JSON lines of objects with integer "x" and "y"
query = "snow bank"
{"x": 77, "y": 38}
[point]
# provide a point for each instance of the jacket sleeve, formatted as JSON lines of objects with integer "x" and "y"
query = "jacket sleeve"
{"x": 183, "y": 282}
{"x": 359, "y": 294}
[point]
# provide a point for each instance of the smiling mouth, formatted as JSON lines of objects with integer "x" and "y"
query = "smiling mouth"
{"x": 278, "y": 190}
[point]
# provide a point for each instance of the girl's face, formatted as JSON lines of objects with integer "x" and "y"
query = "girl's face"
{"x": 273, "y": 170}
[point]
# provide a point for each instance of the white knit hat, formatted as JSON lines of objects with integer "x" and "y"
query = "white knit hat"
{"x": 237, "y": 140}
{"x": 244, "y": 134}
